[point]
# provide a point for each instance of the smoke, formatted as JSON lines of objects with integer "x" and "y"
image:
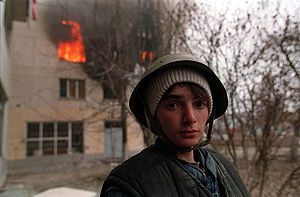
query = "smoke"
{"x": 57, "y": 11}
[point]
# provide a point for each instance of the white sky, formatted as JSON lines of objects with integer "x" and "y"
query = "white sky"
{"x": 290, "y": 5}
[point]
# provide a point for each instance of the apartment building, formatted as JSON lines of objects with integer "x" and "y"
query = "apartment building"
{"x": 57, "y": 116}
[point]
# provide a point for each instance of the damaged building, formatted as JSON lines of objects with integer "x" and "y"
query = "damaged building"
{"x": 53, "y": 113}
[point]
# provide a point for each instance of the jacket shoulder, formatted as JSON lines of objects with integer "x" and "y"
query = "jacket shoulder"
{"x": 229, "y": 172}
{"x": 139, "y": 162}
{"x": 140, "y": 173}
{"x": 222, "y": 160}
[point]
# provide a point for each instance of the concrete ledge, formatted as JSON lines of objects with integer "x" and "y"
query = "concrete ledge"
{"x": 51, "y": 163}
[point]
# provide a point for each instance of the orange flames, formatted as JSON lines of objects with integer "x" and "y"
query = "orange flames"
{"x": 148, "y": 56}
{"x": 72, "y": 51}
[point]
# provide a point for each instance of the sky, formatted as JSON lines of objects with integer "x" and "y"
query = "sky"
{"x": 291, "y": 6}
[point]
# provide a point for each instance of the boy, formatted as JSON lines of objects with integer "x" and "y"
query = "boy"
{"x": 176, "y": 99}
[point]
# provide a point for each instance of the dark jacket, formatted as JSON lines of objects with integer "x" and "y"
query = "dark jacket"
{"x": 155, "y": 172}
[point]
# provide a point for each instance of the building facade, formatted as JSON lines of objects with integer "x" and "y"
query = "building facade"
{"x": 56, "y": 115}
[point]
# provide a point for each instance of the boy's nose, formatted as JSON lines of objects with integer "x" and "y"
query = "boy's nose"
{"x": 189, "y": 115}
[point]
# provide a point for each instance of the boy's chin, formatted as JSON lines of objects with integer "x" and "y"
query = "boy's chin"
{"x": 188, "y": 144}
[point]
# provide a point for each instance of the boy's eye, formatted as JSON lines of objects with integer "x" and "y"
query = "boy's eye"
{"x": 172, "y": 105}
{"x": 200, "y": 104}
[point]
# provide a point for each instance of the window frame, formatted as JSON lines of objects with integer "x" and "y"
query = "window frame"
{"x": 55, "y": 139}
{"x": 74, "y": 89}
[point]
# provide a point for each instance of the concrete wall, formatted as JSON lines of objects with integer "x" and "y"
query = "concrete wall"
{"x": 5, "y": 93}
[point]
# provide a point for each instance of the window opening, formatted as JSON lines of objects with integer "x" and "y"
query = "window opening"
{"x": 81, "y": 89}
{"x": 62, "y": 147}
{"x": 63, "y": 88}
{"x": 33, "y": 130}
{"x": 62, "y": 129}
{"x": 54, "y": 138}
{"x": 48, "y": 130}
{"x": 48, "y": 147}
{"x": 32, "y": 148}
{"x": 72, "y": 88}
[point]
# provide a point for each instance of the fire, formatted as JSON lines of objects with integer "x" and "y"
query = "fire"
{"x": 148, "y": 56}
{"x": 72, "y": 51}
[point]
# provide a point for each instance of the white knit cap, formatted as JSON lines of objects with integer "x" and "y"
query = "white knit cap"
{"x": 162, "y": 81}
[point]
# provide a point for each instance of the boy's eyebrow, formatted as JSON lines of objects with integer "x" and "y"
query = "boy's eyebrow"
{"x": 172, "y": 96}
{"x": 175, "y": 96}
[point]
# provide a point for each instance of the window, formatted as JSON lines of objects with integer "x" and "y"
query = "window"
{"x": 54, "y": 138}
{"x": 72, "y": 88}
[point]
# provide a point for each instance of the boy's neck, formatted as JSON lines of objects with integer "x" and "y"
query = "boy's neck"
{"x": 186, "y": 156}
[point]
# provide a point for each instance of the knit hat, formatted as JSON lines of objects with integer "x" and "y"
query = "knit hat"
{"x": 161, "y": 82}
{"x": 215, "y": 89}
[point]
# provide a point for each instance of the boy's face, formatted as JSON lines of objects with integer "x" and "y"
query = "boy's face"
{"x": 182, "y": 116}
